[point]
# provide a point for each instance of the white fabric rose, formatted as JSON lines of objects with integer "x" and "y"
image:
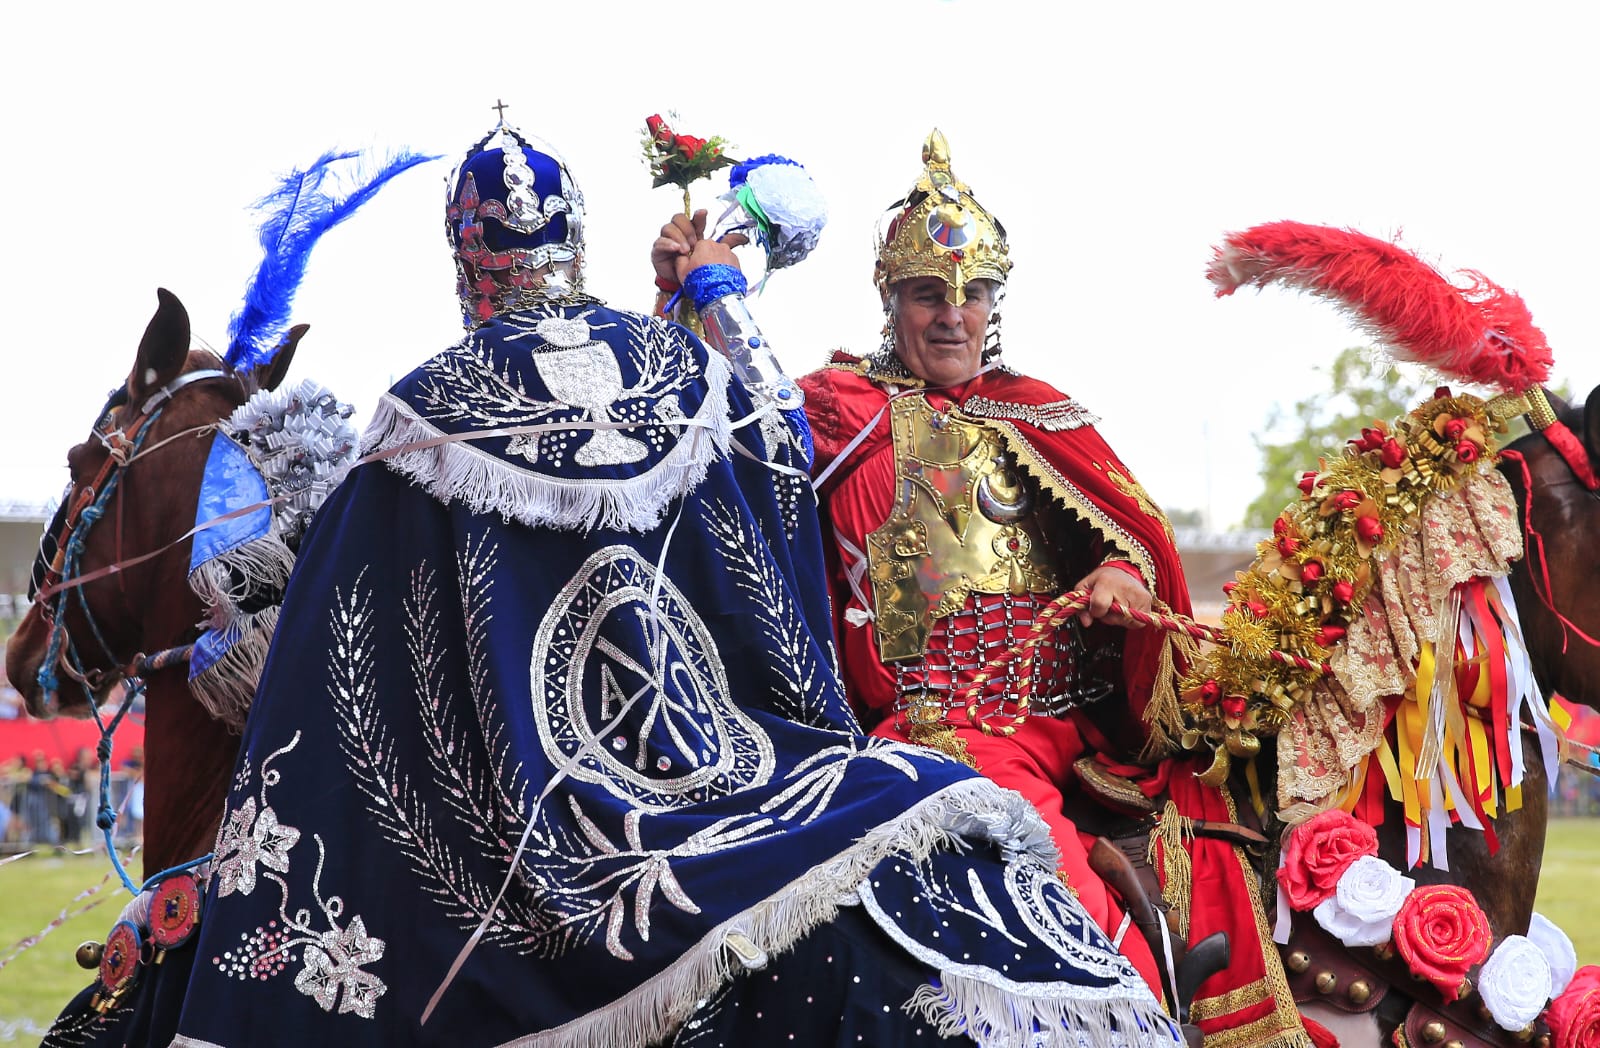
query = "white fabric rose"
{"x": 1557, "y": 949}
{"x": 1515, "y": 982}
{"x": 1361, "y": 910}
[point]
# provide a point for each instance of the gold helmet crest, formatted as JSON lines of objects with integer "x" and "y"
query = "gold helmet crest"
{"x": 940, "y": 230}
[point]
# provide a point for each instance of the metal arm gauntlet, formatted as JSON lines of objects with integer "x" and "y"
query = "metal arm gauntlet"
{"x": 732, "y": 331}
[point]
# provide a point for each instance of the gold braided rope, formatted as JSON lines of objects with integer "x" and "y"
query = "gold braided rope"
{"x": 971, "y": 695}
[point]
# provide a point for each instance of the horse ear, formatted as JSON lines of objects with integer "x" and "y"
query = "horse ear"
{"x": 1591, "y": 425}
{"x": 271, "y": 374}
{"x": 163, "y": 349}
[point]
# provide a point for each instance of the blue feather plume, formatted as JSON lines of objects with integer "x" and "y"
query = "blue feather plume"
{"x": 297, "y": 213}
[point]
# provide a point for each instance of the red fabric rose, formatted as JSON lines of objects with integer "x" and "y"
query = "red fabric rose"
{"x": 1346, "y": 500}
{"x": 1441, "y": 933}
{"x": 1467, "y": 451}
{"x": 689, "y": 145}
{"x": 1369, "y": 530}
{"x": 1370, "y": 439}
{"x": 1574, "y": 1017}
{"x": 1233, "y": 706}
{"x": 1318, "y": 852}
{"x": 1210, "y": 692}
{"x": 1343, "y": 590}
{"x": 1311, "y": 571}
{"x": 1308, "y": 481}
{"x": 658, "y": 129}
{"x": 1393, "y": 453}
{"x": 1287, "y": 544}
{"x": 1454, "y": 428}
{"x": 1328, "y": 636}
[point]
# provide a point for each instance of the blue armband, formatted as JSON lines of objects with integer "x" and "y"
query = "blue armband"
{"x": 706, "y": 284}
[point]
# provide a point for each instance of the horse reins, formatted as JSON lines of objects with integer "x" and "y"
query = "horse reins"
{"x": 124, "y": 447}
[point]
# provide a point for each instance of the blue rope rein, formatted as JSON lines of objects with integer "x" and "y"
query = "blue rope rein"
{"x": 106, "y": 815}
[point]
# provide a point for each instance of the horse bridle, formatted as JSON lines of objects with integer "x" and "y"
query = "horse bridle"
{"x": 124, "y": 446}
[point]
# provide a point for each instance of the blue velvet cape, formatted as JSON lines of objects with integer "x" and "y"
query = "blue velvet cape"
{"x": 566, "y": 693}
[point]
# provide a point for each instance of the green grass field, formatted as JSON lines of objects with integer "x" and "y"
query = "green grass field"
{"x": 36, "y": 890}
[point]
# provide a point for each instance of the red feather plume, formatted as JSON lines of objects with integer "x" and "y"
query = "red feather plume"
{"x": 1480, "y": 333}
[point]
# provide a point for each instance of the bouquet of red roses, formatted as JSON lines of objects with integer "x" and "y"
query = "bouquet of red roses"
{"x": 678, "y": 160}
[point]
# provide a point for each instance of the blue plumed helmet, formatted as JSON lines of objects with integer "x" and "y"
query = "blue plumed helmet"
{"x": 515, "y": 223}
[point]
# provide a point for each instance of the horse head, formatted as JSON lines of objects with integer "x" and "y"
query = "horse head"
{"x": 1557, "y": 582}
{"x": 110, "y": 583}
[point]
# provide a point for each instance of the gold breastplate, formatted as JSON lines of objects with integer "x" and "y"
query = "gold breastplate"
{"x": 963, "y": 522}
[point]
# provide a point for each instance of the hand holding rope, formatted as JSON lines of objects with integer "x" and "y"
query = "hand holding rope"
{"x": 1068, "y": 603}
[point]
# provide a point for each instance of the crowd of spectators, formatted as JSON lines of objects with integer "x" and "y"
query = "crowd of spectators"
{"x": 47, "y": 802}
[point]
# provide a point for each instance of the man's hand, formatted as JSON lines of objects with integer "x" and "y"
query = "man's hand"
{"x": 1107, "y": 583}
{"x": 683, "y": 246}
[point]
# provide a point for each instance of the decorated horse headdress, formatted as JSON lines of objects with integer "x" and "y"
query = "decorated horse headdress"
{"x": 1319, "y": 599}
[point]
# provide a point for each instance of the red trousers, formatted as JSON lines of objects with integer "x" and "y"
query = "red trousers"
{"x": 1037, "y": 762}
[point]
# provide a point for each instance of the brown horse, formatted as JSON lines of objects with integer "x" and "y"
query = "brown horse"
{"x": 1556, "y": 597}
{"x": 1567, "y": 516}
{"x": 147, "y": 607}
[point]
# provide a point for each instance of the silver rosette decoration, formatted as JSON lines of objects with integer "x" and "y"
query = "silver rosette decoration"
{"x": 1558, "y": 951}
{"x": 1361, "y": 910}
{"x": 1515, "y": 982}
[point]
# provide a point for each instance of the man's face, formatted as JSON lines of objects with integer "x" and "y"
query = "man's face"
{"x": 940, "y": 343}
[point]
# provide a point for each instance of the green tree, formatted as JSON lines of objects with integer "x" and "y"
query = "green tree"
{"x": 1186, "y": 518}
{"x": 1361, "y": 388}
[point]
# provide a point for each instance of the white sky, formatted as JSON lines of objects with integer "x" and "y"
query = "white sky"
{"x": 1117, "y": 141}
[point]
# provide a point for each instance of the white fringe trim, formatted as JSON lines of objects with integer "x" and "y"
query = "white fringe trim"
{"x": 996, "y": 1018}
{"x": 654, "y": 1010}
{"x": 227, "y": 688}
{"x": 461, "y": 472}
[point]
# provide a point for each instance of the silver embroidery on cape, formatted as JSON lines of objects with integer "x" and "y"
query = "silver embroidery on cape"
{"x": 1054, "y": 416}
{"x": 579, "y": 881}
{"x": 608, "y": 635}
{"x": 470, "y": 384}
{"x": 253, "y": 845}
{"x": 803, "y": 691}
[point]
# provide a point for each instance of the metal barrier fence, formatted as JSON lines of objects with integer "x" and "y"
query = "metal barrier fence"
{"x": 48, "y": 810}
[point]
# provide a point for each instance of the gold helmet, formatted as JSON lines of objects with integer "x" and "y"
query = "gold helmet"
{"x": 940, "y": 230}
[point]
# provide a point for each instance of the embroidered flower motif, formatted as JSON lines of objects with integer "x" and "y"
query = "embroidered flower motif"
{"x": 1574, "y": 1016}
{"x": 1558, "y": 951}
{"x": 1441, "y": 932}
{"x": 1515, "y": 982}
{"x": 333, "y": 964}
{"x": 1361, "y": 910}
{"x": 248, "y": 840}
{"x": 1318, "y": 853}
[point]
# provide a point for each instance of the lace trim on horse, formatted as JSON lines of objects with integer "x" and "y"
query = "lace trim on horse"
{"x": 1466, "y": 534}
